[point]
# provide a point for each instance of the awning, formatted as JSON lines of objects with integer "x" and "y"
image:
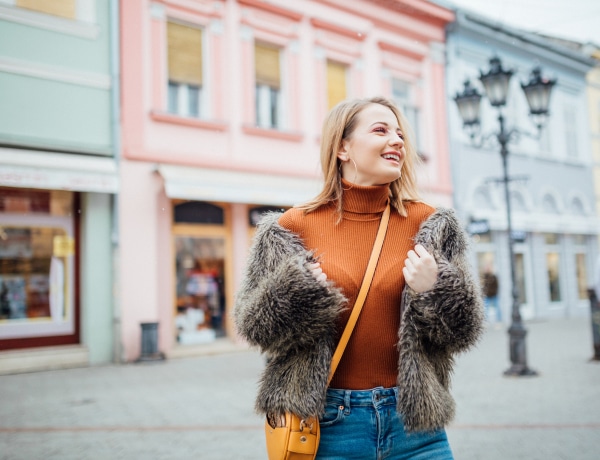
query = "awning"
{"x": 190, "y": 183}
{"x": 57, "y": 171}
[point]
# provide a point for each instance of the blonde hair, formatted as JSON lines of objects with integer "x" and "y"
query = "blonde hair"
{"x": 339, "y": 125}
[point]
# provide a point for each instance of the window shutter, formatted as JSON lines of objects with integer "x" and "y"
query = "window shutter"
{"x": 184, "y": 48}
{"x": 336, "y": 83}
{"x": 266, "y": 63}
{"x": 63, "y": 8}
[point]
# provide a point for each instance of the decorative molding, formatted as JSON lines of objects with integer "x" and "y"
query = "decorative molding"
{"x": 272, "y": 133}
{"x": 164, "y": 117}
{"x": 293, "y": 15}
{"x": 193, "y": 8}
{"x": 53, "y": 23}
{"x": 337, "y": 29}
{"x": 60, "y": 74}
{"x": 412, "y": 54}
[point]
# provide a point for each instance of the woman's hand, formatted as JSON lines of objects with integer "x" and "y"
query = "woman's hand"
{"x": 420, "y": 269}
{"x": 317, "y": 272}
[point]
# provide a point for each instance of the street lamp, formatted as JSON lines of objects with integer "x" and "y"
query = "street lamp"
{"x": 496, "y": 83}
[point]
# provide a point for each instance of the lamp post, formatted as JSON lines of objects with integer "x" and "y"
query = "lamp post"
{"x": 496, "y": 83}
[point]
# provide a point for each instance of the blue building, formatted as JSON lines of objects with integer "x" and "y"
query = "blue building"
{"x": 552, "y": 195}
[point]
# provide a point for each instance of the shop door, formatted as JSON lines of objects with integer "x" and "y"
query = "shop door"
{"x": 200, "y": 288}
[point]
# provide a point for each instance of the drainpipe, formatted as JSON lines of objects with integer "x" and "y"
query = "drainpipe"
{"x": 115, "y": 75}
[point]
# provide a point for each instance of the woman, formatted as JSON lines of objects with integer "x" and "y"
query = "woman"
{"x": 389, "y": 396}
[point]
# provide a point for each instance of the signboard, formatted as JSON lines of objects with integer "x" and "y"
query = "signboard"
{"x": 478, "y": 227}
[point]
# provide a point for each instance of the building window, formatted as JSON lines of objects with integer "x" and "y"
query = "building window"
{"x": 336, "y": 83}
{"x": 268, "y": 86}
{"x": 62, "y": 8}
{"x": 551, "y": 238}
{"x": 552, "y": 241}
{"x": 184, "y": 53}
{"x": 403, "y": 96}
{"x": 37, "y": 266}
{"x": 581, "y": 273}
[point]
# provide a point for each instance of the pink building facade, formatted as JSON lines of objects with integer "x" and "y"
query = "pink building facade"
{"x": 222, "y": 104}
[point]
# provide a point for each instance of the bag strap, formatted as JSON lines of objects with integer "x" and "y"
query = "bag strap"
{"x": 362, "y": 293}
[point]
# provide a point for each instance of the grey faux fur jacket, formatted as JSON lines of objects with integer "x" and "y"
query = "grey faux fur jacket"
{"x": 282, "y": 309}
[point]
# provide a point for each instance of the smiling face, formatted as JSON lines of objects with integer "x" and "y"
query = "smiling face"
{"x": 376, "y": 145}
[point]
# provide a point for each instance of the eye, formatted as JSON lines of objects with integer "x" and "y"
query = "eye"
{"x": 380, "y": 129}
{"x": 400, "y": 135}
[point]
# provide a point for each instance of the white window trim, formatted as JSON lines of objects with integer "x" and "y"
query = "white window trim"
{"x": 82, "y": 27}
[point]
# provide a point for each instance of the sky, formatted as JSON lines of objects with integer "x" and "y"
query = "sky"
{"x": 577, "y": 20}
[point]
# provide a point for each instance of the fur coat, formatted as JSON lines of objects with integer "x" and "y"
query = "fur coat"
{"x": 288, "y": 314}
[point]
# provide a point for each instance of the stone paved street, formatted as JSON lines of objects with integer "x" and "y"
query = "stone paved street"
{"x": 202, "y": 408}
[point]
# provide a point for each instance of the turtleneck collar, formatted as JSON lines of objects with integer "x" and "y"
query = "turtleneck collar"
{"x": 364, "y": 199}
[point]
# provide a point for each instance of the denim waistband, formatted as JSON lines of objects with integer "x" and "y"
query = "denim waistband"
{"x": 375, "y": 397}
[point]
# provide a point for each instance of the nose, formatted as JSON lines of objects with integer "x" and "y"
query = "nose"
{"x": 396, "y": 140}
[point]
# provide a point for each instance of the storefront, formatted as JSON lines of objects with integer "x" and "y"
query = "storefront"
{"x": 56, "y": 288}
{"x": 38, "y": 237}
{"x": 552, "y": 271}
{"x": 203, "y": 247}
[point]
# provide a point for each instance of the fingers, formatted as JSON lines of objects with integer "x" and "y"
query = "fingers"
{"x": 420, "y": 269}
{"x": 317, "y": 272}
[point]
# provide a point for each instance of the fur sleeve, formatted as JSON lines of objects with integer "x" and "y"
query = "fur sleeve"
{"x": 450, "y": 315}
{"x": 280, "y": 306}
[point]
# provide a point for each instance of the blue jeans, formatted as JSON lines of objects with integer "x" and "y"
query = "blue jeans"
{"x": 492, "y": 303}
{"x": 365, "y": 425}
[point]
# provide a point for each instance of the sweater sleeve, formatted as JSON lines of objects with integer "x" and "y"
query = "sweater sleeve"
{"x": 450, "y": 315}
{"x": 280, "y": 305}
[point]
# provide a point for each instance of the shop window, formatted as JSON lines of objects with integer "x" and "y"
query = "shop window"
{"x": 404, "y": 97}
{"x": 268, "y": 86}
{"x": 520, "y": 277}
{"x": 581, "y": 273}
{"x": 336, "y": 83}
{"x": 200, "y": 275}
{"x": 199, "y": 212}
{"x": 184, "y": 54}
{"x": 553, "y": 267}
{"x": 37, "y": 251}
{"x": 62, "y": 8}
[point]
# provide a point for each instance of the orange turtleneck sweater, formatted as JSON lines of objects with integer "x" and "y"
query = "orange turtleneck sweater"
{"x": 371, "y": 357}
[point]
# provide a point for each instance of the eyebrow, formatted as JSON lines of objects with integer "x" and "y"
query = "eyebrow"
{"x": 384, "y": 123}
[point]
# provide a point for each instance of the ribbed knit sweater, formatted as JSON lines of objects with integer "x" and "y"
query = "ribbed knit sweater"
{"x": 343, "y": 249}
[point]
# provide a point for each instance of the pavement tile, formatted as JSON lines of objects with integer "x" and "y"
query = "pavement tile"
{"x": 202, "y": 408}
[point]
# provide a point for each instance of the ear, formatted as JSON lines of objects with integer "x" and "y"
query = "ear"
{"x": 343, "y": 152}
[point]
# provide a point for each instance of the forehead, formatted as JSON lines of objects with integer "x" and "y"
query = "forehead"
{"x": 374, "y": 113}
